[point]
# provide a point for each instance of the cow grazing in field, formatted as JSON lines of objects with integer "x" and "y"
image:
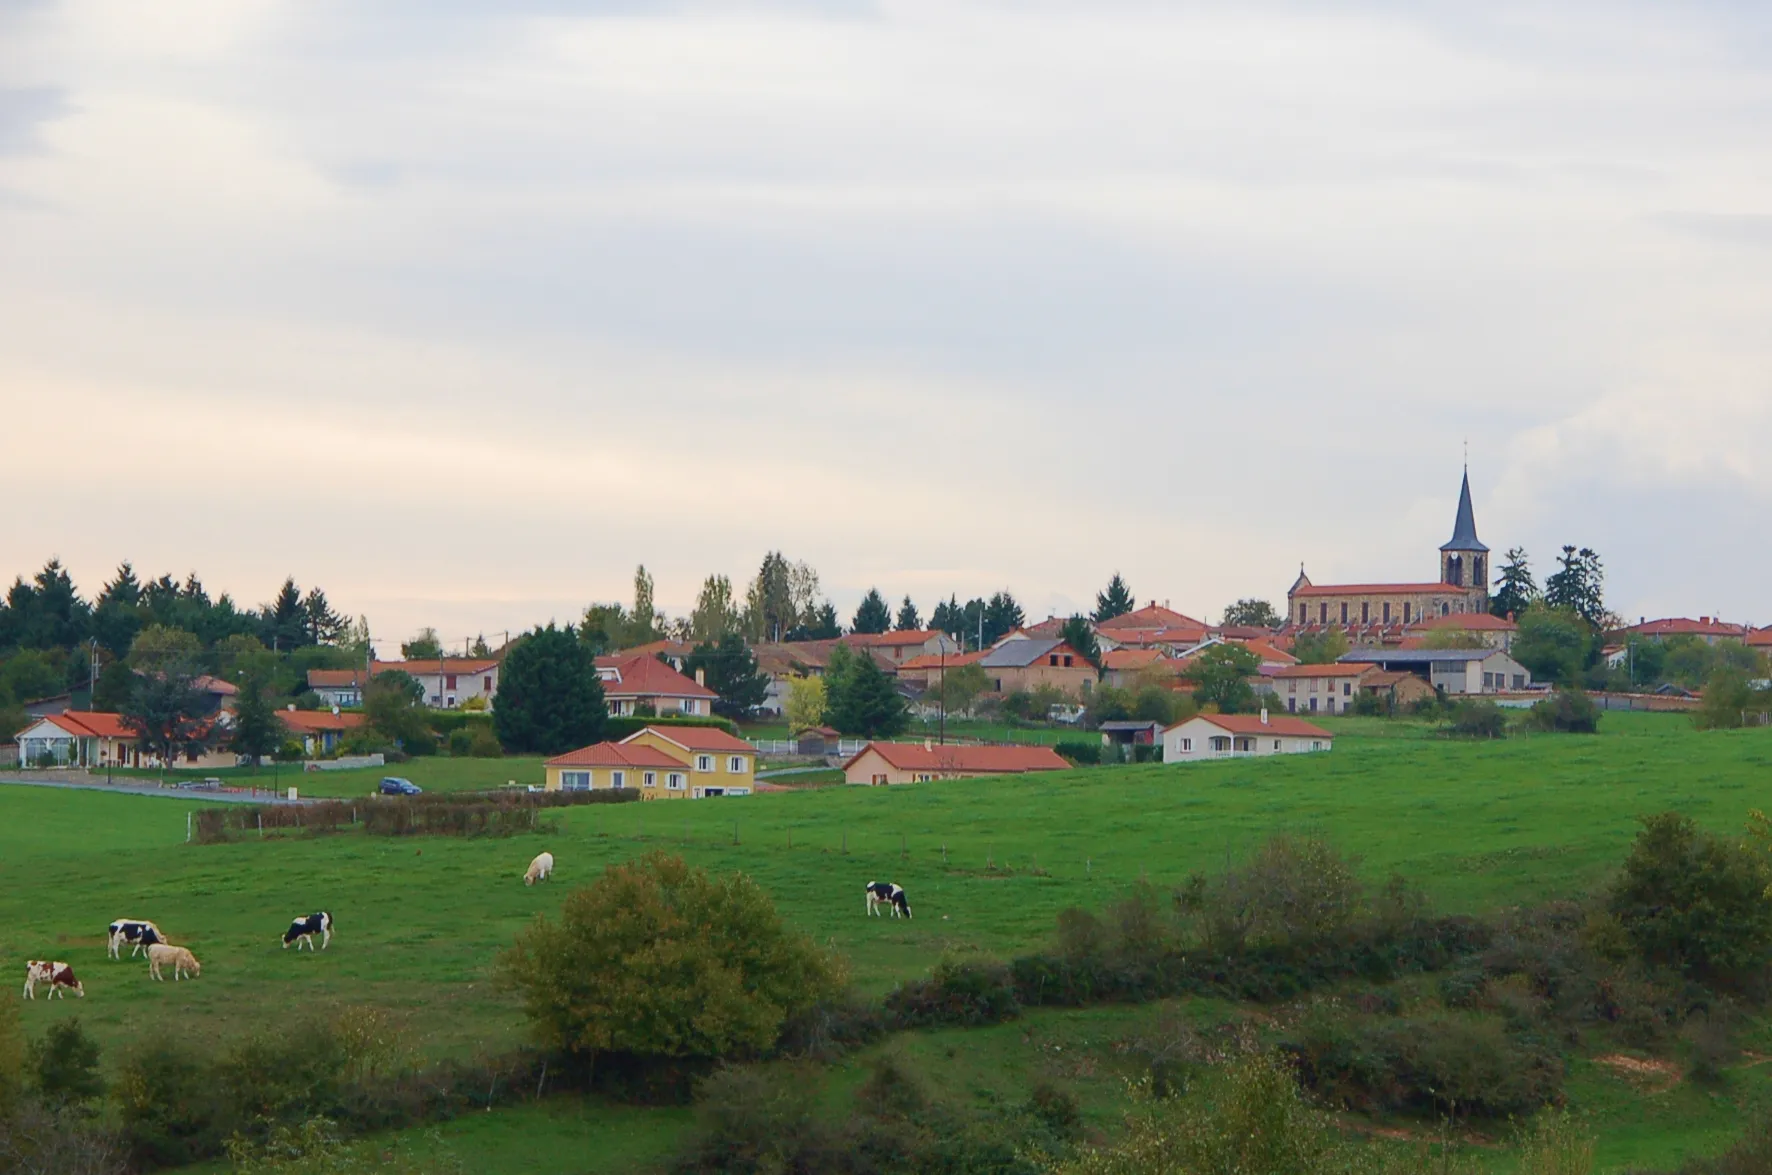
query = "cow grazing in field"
{"x": 885, "y": 893}
{"x": 181, "y": 959}
{"x": 301, "y": 932}
{"x": 140, "y": 934}
{"x": 539, "y": 869}
{"x": 59, "y": 977}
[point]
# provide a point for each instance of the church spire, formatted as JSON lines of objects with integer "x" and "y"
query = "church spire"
{"x": 1464, "y": 530}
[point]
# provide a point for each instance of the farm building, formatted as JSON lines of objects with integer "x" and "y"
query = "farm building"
{"x": 1225, "y": 736}
{"x": 1030, "y": 664}
{"x": 1456, "y": 671}
{"x": 1312, "y": 689}
{"x": 879, "y": 763}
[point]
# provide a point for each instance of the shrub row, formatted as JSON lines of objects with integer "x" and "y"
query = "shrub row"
{"x": 481, "y": 814}
{"x": 616, "y": 729}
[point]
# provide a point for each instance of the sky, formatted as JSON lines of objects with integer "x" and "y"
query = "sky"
{"x": 462, "y": 310}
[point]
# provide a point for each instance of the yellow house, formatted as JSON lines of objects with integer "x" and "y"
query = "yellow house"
{"x": 674, "y": 763}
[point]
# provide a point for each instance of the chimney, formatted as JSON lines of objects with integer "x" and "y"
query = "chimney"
{"x": 701, "y": 677}
{"x": 292, "y": 707}
{"x": 1264, "y": 715}
{"x": 928, "y": 744}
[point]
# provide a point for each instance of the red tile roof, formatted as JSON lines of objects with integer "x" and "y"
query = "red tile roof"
{"x": 334, "y": 678}
{"x": 1049, "y": 629}
{"x": 462, "y": 665}
{"x": 1685, "y": 626}
{"x": 1378, "y": 589}
{"x": 937, "y": 661}
{"x": 648, "y": 677}
{"x": 1270, "y": 654}
{"x": 696, "y": 738}
{"x": 977, "y": 760}
{"x": 910, "y": 636}
{"x": 1469, "y": 622}
{"x": 668, "y": 648}
{"x": 615, "y": 755}
{"x": 1280, "y": 724}
{"x": 1131, "y": 658}
{"x": 315, "y": 721}
{"x": 1167, "y": 635}
{"x": 1150, "y": 616}
{"x": 214, "y": 685}
{"x": 93, "y": 724}
{"x": 1760, "y": 637}
{"x": 1342, "y": 669}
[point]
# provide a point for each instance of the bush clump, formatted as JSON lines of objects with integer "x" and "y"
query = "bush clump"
{"x": 1567, "y": 711}
{"x": 1696, "y": 902}
{"x": 1478, "y": 719}
{"x": 956, "y": 995}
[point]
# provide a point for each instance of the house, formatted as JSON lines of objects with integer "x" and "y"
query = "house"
{"x": 1150, "y": 616}
{"x": 1706, "y": 628}
{"x": 900, "y": 646}
{"x": 339, "y": 687}
{"x": 318, "y": 731}
{"x": 675, "y": 653}
{"x": 1314, "y": 689}
{"x": 1225, "y": 736}
{"x": 612, "y": 765}
{"x": 1454, "y": 671}
{"x": 448, "y": 681}
{"x": 79, "y": 738}
{"x": 1761, "y": 639}
{"x": 884, "y": 763}
{"x": 1126, "y": 668}
{"x": 1030, "y": 664}
{"x": 928, "y": 670}
{"x": 783, "y": 661}
{"x": 1396, "y": 687}
{"x": 1498, "y": 632}
{"x": 630, "y": 682}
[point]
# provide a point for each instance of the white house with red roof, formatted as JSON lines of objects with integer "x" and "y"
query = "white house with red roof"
{"x": 1227, "y": 736}
{"x": 630, "y": 681}
{"x": 1318, "y": 689}
{"x": 79, "y": 738}
{"x": 1708, "y": 629}
{"x": 447, "y": 681}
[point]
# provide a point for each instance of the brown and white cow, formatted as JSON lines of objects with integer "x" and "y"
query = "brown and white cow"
{"x": 181, "y": 959}
{"x": 59, "y": 977}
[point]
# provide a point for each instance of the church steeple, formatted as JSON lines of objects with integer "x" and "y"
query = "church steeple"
{"x": 1464, "y": 559}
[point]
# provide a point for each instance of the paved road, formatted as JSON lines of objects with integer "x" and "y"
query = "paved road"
{"x": 76, "y": 781}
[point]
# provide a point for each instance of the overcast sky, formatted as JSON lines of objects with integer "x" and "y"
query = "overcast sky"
{"x": 461, "y": 310}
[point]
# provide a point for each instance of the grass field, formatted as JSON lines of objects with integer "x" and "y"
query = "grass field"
{"x": 987, "y": 865}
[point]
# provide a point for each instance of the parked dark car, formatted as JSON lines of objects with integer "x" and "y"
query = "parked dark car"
{"x": 393, "y": 785}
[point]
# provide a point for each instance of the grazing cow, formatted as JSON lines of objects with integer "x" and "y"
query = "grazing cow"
{"x": 59, "y": 977}
{"x": 181, "y": 959}
{"x": 885, "y": 893}
{"x": 539, "y": 869}
{"x": 301, "y": 932}
{"x": 135, "y": 931}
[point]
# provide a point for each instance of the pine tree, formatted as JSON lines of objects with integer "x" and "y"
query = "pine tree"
{"x": 1516, "y": 590}
{"x": 285, "y": 620}
{"x": 731, "y": 671}
{"x": 825, "y": 626}
{"x": 873, "y": 616}
{"x": 1079, "y": 634}
{"x": 550, "y": 699}
{"x": 1114, "y": 600}
{"x": 860, "y": 698}
{"x": 124, "y": 588}
{"x": 1578, "y": 585}
{"x": 946, "y": 617}
{"x": 908, "y": 620}
{"x": 324, "y": 626}
{"x": 1001, "y": 617}
{"x": 256, "y": 731}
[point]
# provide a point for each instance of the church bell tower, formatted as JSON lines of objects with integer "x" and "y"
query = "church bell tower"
{"x": 1464, "y": 560}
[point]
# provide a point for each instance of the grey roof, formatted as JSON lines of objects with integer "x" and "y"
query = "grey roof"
{"x": 1464, "y": 531}
{"x": 1128, "y": 725}
{"x": 1418, "y": 656}
{"x": 1017, "y": 654}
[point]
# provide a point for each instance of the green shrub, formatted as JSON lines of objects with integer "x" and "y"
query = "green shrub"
{"x": 1567, "y": 711}
{"x": 1478, "y": 719}
{"x": 460, "y": 742}
{"x": 616, "y": 729}
{"x": 170, "y": 1105}
{"x": 750, "y": 1120}
{"x": 720, "y": 974}
{"x": 1293, "y": 893}
{"x": 956, "y": 994}
{"x": 64, "y": 1064}
{"x": 485, "y": 745}
{"x": 1083, "y": 753}
{"x": 1697, "y": 902}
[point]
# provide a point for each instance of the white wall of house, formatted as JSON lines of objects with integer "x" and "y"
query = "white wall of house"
{"x": 621, "y": 706}
{"x": 1482, "y": 674}
{"x": 1199, "y": 739}
{"x": 447, "y": 691}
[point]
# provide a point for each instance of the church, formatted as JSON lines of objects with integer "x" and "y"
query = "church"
{"x": 1463, "y": 587}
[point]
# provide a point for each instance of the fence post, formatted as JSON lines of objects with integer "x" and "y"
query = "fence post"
{"x": 845, "y": 843}
{"x": 187, "y": 828}
{"x": 261, "y": 825}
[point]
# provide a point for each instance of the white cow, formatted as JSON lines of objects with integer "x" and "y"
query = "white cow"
{"x": 539, "y": 869}
{"x": 181, "y": 959}
{"x": 138, "y": 932}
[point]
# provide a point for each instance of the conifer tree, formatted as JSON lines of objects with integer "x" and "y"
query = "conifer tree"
{"x": 908, "y": 619}
{"x": 1114, "y": 600}
{"x": 873, "y": 616}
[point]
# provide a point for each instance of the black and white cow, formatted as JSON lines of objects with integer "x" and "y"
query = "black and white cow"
{"x": 301, "y": 932}
{"x": 140, "y": 934}
{"x": 884, "y": 893}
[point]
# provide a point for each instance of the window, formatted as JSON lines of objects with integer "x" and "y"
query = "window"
{"x": 575, "y": 780}
{"x": 486, "y": 684}
{"x": 1387, "y": 611}
{"x": 1314, "y": 684}
{"x": 735, "y": 764}
{"x": 1302, "y": 615}
{"x": 1344, "y": 611}
{"x": 1291, "y": 705}
{"x": 1053, "y": 660}
{"x": 1323, "y": 613}
{"x": 618, "y": 779}
{"x": 1187, "y": 744}
{"x": 1316, "y": 746}
{"x": 1406, "y": 607}
{"x": 924, "y": 777}
{"x": 1220, "y": 743}
{"x": 674, "y": 781}
{"x": 1313, "y": 705}
{"x": 738, "y": 791}
{"x": 1068, "y": 659}
{"x": 451, "y": 702}
{"x": 687, "y": 706}
{"x": 1347, "y": 689}
{"x": 1519, "y": 681}
{"x": 704, "y": 762}
{"x": 1365, "y": 612}
{"x": 650, "y": 779}
{"x": 877, "y": 780}
{"x": 450, "y": 683}
{"x": 1276, "y": 744}
{"x": 1291, "y": 687}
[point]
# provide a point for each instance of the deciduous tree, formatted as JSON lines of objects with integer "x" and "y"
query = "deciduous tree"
{"x": 426, "y": 646}
{"x": 1695, "y": 901}
{"x": 805, "y": 705}
{"x": 1320, "y": 648}
{"x": 256, "y": 731}
{"x": 1578, "y": 585}
{"x": 157, "y": 645}
{"x": 1252, "y": 612}
{"x": 168, "y": 714}
{"x": 550, "y": 699}
{"x": 1555, "y": 643}
{"x": 715, "y": 613}
{"x": 1221, "y": 678}
{"x": 961, "y": 687}
{"x": 730, "y": 670}
{"x": 391, "y": 705}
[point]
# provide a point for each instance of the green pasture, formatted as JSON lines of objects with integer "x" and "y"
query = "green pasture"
{"x": 987, "y": 864}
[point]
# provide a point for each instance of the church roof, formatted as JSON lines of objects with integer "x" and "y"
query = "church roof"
{"x": 1464, "y": 531}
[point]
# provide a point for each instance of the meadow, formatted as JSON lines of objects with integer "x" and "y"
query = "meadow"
{"x": 988, "y": 864}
